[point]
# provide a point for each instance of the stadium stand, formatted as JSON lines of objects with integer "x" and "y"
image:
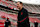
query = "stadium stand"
{"x": 34, "y": 11}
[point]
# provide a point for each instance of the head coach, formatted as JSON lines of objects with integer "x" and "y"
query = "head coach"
{"x": 23, "y": 20}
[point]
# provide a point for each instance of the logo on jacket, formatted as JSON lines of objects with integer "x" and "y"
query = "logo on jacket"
{"x": 21, "y": 13}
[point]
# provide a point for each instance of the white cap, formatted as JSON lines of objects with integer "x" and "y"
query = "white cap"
{"x": 35, "y": 21}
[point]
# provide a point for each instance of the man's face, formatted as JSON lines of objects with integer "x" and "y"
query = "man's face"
{"x": 19, "y": 5}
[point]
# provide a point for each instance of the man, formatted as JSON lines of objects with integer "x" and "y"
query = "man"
{"x": 36, "y": 24}
{"x": 23, "y": 20}
{"x": 7, "y": 23}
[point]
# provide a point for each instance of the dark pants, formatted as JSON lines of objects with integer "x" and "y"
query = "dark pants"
{"x": 23, "y": 25}
{"x": 36, "y": 26}
{"x": 6, "y": 26}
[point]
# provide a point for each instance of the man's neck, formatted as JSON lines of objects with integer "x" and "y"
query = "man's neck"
{"x": 21, "y": 8}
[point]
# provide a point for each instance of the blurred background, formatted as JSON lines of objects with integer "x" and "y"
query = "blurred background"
{"x": 9, "y": 10}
